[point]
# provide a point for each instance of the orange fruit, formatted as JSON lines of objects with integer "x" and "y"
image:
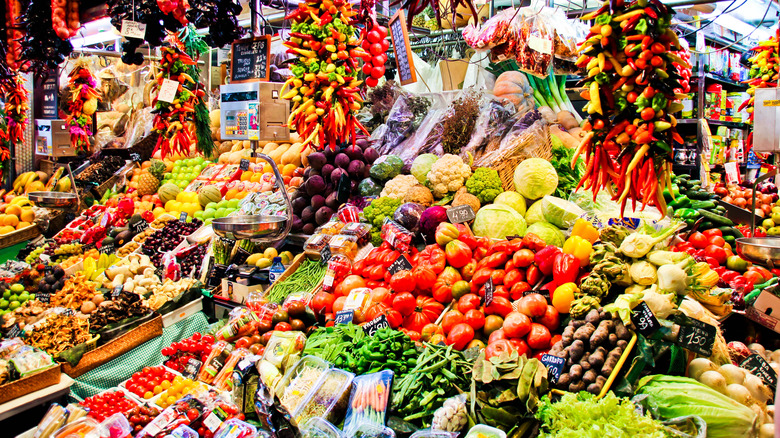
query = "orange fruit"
{"x": 10, "y": 220}
{"x": 230, "y": 194}
{"x": 247, "y": 175}
{"x": 13, "y": 210}
{"x": 22, "y": 225}
{"x": 7, "y": 229}
{"x": 289, "y": 169}
{"x": 28, "y": 215}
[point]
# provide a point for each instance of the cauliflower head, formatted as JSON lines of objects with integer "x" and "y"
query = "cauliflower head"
{"x": 448, "y": 174}
{"x": 485, "y": 184}
{"x": 398, "y": 187}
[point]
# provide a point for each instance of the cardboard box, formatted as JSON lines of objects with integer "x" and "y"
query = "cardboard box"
{"x": 52, "y": 139}
{"x": 236, "y": 292}
{"x": 766, "y": 311}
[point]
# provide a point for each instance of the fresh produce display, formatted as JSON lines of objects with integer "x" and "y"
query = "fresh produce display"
{"x": 16, "y": 106}
{"x": 149, "y": 382}
{"x": 82, "y": 105}
{"x": 104, "y": 405}
{"x": 764, "y": 70}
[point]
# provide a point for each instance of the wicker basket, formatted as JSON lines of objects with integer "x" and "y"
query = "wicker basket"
{"x": 33, "y": 382}
{"x": 532, "y": 144}
{"x": 117, "y": 347}
{"x": 19, "y": 236}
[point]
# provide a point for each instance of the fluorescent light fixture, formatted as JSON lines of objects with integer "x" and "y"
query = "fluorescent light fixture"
{"x": 95, "y": 32}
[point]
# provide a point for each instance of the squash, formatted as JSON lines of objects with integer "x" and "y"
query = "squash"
{"x": 514, "y": 87}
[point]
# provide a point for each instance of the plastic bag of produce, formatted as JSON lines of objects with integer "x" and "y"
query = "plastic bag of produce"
{"x": 417, "y": 143}
{"x": 567, "y": 33}
{"x": 494, "y": 32}
{"x": 404, "y": 118}
{"x": 452, "y": 416}
{"x": 526, "y": 138}
{"x": 535, "y": 46}
{"x": 495, "y": 119}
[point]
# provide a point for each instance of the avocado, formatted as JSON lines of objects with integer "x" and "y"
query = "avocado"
{"x": 134, "y": 218}
{"x": 117, "y": 231}
{"x": 108, "y": 241}
{"x": 123, "y": 237}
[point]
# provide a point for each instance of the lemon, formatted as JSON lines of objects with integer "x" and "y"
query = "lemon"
{"x": 263, "y": 263}
{"x": 270, "y": 253}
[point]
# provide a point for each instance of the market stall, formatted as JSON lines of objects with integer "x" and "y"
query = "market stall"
{"x": 437, "y": 219}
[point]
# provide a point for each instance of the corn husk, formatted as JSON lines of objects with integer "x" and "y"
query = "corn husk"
{"x": 674, "y": 397}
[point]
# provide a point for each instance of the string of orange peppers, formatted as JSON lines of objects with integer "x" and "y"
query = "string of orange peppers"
{"x": 82, "y": 105}
{"x": 16, "y": 106}
{"x": 324, "y": 87}
{"x": 764, "y": 72}
{"x": 174, "y": 121}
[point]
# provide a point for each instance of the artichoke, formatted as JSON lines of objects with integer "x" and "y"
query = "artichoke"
{"x": 595, "y": 285}
{"x": 581, "y": 306}
{"x": 614, "y": 234}
{"x": 601, "y": 250}
{"x": 615, "y": 269}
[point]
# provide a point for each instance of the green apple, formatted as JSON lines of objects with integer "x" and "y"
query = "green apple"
{"x": 774, "y": 231}
{"x": 4, "y": 304}
{"x": 13, "y": 297}
{"x": 24, "y": 296}
{"x": 222, "y": 204}
{"x": 209, "y": 213}
{"x": 212, "y": 205}
{"x": 7, "y": 294}
{"x": 208, "y": 221}
{"x": 233, "y": 203}
{"x": 776, "y": 218}
{"x": 14, "y": 305}
{"x": 199, "y": 214}
{"x": 16, "y": 287}
{"x": 221, "y": 212}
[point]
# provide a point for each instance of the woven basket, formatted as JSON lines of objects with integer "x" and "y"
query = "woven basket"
{"x": 33, "y": 382}
{"x": 532, "y": 144}
{"x": 115, "y": 348}
{"x": 19, "y": 236}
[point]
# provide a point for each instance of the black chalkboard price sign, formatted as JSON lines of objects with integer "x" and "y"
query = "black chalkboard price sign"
{"x": 758, "y": 366}
{"x": 249, "y": 59}
{"x": 460, "y": 214}
{"x": 400, "y": 264}
{"x": 554, "y": 366}
{"x": 643, "y": 319}
{"x": 403, "y": 51}
{"x": 698, "y": 337}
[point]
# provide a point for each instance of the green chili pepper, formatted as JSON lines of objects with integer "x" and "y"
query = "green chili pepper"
{"x": 641, "y": 26}
{"x": 603, "y": 19}
{"x": 659, "y": 102}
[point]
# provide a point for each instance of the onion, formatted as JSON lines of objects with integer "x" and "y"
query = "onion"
{"x": 775, "y": 366}
{"x": 732, "y": 373}
{"x": 767, "y": 431}
{"x": 758, "y": 348}
{"x": 700, "y": 365}
{"x": 738, "y": 393}
{"x": 757, "y": 389}
{"x": 714, "y": 380}
{"x": 770, "y": 410}
{"x": 775, "y": 356}
{"x": 759, "y": 410}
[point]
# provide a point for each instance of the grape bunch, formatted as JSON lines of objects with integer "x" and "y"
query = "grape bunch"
{"x": 69, "y": 249}
{"x": 32, "y": 258}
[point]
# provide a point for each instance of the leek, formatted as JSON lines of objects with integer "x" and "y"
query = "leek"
{"x": 551, "y": 92}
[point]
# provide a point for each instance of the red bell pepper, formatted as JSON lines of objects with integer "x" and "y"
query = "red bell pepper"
{"x": 545, "y": 258}
{"x": 566, "y": 267}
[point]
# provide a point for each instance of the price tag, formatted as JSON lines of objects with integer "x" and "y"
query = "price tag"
{"x": 14, "y": 331}
{"x": 643, "y": 319}
{"x": 191, "y": 368}
{"x": 375, "y": 324}
{"x": 513, "y": 237}
{"x": 107, "y": 248}
{"x": 133, "y": 29}
{"x": 554, "y": 366}
{"x": 139, "y": 226}
{"x": 183, "y": 216}
{"x": 243, "y": 164}
{"x": 541, "y": 45}
{"x": 136, "y": 157}
{"x": 325, "y": 255}
{"x": 344, "y": 188}
{"x": 212, "y": 422}
{"x": 43, "y": 297}
{"x": 489, "y": 289}
{"x": 168, "y": 91}
{"x": 759, "y": 367}
{"x": 732, "y": 172}
{"x": 400, "y": 264}
{"x": 117, "y": 290}
{"x": 344, "y": 316}
{"x": 460, "y": 214}
{"x": 698, "y": 337}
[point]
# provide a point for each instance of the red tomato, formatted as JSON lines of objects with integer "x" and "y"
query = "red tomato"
{"x": 475, "y": 319}
{"x": 402, "y": 281}
{"x": 765, "y": 273}
{"x": 192, "y": 414}
{"x": 516, "y": 325}
{"x": 496, "y": 348}
{"x": 460, "y": 336}
{"x": 404, "y": 302}
{"x": 698, "y": 240}
{"x": 458, "y": 253}
{"x": 322, "y": 303}
{"x": 428, "y": 331}
{"x": 373, "y": 37}
{"x": 716, "y": 252}
{"x": 468, "y": 302}
{"x": 523, "y": 258}
{"x": 500, "y": 306}
{"x": 532, "y": 305}
{"x": 717, "y": 241}
{"x": 496, "y": 335}
{"x": 712, "y": 232}
{"x": 539, "y": 337}
{"x": 450, "y": 320}
{"x": 243, "y": 342}
{"x": 283, "y": 327}
{"x": 520, "y": 346}
{"x": 550, "y": 319}
{"x": 518, "y": 289}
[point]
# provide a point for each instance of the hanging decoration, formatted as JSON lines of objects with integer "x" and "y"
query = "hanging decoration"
{"x": 173, "y": 121}
{"x": 41, "y": 49}
{"x": 631, "y": 92}
{"x": 13, "y": 36}
{"x": 764, "y": 73}
{"x": 194, "y": 46}
{"x": 324, "y": 88}
{"x": 149, "y": 12}
{"x": 17, "y": 104}
{"x": 82, "y": 104}
{"x": 65, "y": 18}
{"x": 220, "y": 16}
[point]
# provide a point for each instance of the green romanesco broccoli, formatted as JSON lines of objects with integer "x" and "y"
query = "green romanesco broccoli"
{"x": 485, "y": 184}
{"x": 376, "y": 212}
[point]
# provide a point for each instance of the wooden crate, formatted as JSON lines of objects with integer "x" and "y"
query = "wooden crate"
{"x": 116, "y": 347}
{"x": 19, "y": 236}
{"x": 33, "y": 382}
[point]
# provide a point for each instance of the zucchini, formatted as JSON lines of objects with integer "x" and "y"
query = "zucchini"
{"x": 693, "y": 182}
{"x": 730, "y": 231}
{"x": 721, "y": 210}
{"x": 708, "y": 205}
{"x": 699, "y": 194}
{"x": 706, "y": 225}
{"x": 716, "y": 218}
{"x": 695, "y": 188}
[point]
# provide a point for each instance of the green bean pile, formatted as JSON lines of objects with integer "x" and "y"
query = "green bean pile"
{"x": 308, "y": 275}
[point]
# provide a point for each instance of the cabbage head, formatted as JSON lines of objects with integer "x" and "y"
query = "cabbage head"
{"x": 547, "y": 232}
{"x": 498, "y": 221}
{"x": 421, "y": 166}
{"x": 512, "y": 199}
{"x": 535, "y": 177}
{"x": 534, "y": 213}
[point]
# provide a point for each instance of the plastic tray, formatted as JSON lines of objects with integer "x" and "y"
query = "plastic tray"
{"x": 286, "y": 387}
{"x": 318, "y": 427}
{"x": 123, "y": 386}
{"x": 329, "y": 399}
{"x": 480, "y": 429}
{"x": 153, "y": 401}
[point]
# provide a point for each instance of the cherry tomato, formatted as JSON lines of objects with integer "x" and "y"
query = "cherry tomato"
{"x": 193, "y": 414}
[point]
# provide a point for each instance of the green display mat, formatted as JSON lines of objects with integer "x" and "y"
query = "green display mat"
{"x": 11, "y": 252}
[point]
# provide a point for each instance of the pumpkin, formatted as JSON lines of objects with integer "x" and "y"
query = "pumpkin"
{"x": 514, "y": 87}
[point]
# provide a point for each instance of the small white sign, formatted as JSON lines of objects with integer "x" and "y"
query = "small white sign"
{"x": 212, "y": 422}
{"x": 732, "y": 172}
{"x": 168, "y": 91}
{"x": 133, "y": 29}
{"x": 541, "y": 45}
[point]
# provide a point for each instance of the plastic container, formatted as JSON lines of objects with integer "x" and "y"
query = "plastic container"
{"x": 82, "y": 428}
{"x": 329, "y": 399}
{"x": 31, "y": 362}
{"x": 55, "y": 418}
{"x": 299, "y": 381}
{"x": 331, "y": 228}
{"x": 215, "y": 362}
{"x": 430, "y": 433}
{"x": 115, "y": 426}
{"x": 396, "y": 235}
{"x": 183, "y": 432}
{"x": 370, "y": 430}
{"x": 483, "y": 431}
{"x": 315, "y": 244}
{"x": 236, "y": 429}
{"x": 318, "y": 427}
{"x": 282, "y": 345}
{"x": 344, "y": 244}
{"x": 368, "y": 401}
{"x": 276, "y": 271}
{"x": 224, "y": 379}
{"x": 360, "y": 230}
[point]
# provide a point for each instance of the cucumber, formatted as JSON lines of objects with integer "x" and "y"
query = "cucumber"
{"x": 721, "y": 210}
{"x": 693, "y": 182}
{"x": 731, "y": 240}
{"x": 695, "y": 188}
{"x": 716, "y": 218}
{"x": 730, "y": 231}
{"x": 699, "y": 194}
{"x": 709, "y": 205}
{"x": 706, "y": 225}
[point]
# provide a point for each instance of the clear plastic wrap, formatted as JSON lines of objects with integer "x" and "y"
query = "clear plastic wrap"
{"x": 236, "y": 429}
{"x": 300, "y": 381}
{"x": 320, "y": 428}
{"x": 526, "y": 137}
{"x": 494, "y": 32}
{"x": 567, "y": 34}
{"x": 214, "y": 362}
{"x": 81, "y": 428}
{"x": 329, "y": 399}
{"x": 535, "y": 46}
{"x": 55, "y": 418}
{"x": 369, "y": 401}
{"x": 404, "y": 119}
{"x": 495, "y": 119}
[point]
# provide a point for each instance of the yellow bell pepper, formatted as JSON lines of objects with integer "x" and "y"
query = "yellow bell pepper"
{"x": 586, "y": 230}
{"x": 579, "y": 248}
{"x": 563, "y": 296}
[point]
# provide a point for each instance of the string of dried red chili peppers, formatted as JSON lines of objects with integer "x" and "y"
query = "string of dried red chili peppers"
{"x": 82, "y": 105}
{"x": 633, "y": 89}
{"x": 174, "y": 121}
{"x": 17, "y": 104}
{"x": 324, "y": 86}
{"x": 13, "y": 36}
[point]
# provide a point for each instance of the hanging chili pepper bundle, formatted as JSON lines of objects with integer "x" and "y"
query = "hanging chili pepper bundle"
{"x": 416, "y": 7}
{"x": 13, "y": 35}
{"x": 324, "y": 88}
{"x": 194, "y": 46}
{"x": 17, "y": 104}
{"x": 41, "y": 49}
{"x": 82, "y": 105}
{"x": 173, "y": 121}
{"x": 632, "y": 88}
{"x": 764, "y": 70}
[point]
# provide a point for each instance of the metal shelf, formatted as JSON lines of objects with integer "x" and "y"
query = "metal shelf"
{"x": 723, "y": 81}
{"x": 736, "y": 125}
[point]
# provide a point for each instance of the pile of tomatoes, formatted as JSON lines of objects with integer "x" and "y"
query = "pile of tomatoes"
{"x": 179, "y": 353}
{"x": 376, "y": 44}
{"x": 106, "y": 404}
{"x": 149, "y": 382}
